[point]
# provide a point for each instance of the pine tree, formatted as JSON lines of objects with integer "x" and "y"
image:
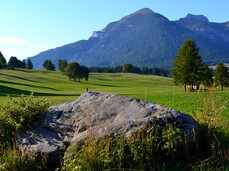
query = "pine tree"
{"x": 221, "y": 75}
{"x": 187, "y": 64}
{"x": 2, "y": 60}
{"x": 29, "y": 64}
{"x": 14, "y": 62}
{"x": 48, "y": 65}
{"x": 206, "y": 76}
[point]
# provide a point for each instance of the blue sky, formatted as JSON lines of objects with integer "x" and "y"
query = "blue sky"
{"x": 28, "y": 27}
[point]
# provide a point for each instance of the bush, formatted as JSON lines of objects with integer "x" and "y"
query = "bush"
{"x": 18, "y": 115}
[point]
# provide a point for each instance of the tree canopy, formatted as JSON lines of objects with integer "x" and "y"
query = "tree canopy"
{"x": 2, "y": 60}
{"x": 75, "y": 71}
{"x": 187, "y": 64}
{"x": 16, "y": 63}
{"x": 206, "y": 76}
{"x": 48, "y": 65}
{"x": 62, "y": 64}
{"x": 221, "y": 75}
{"x": 127, "y": 68}
{"x": 29, "y": 64}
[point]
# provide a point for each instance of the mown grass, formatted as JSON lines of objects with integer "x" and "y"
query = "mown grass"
{"x": 59, "y": 89}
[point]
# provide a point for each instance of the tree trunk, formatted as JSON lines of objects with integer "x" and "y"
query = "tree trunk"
{"x": 192, "y": 87}
{"x": 185, "y": 87}
{"x": 222, "y": 87}
{"x": 204, "y": 88}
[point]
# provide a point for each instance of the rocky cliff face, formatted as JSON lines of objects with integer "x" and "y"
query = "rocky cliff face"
{"x": 98, "y": 114}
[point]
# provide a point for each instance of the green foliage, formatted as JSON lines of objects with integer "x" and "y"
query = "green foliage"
{"x": 21, "y": 160}
{"x": 145, "y": 149}
{"x": 127, "y": 68}
{"x": 2, "y": 60}
{"x": 75, "y": 71}
{"x": 221, "y": 75}
{"x": 187, "y": 64}
{"x": 48, "y": 65}
{"x": 206, "y": 76}
{"x": 137, "y": 70}
{"x": 16, "y": 63}
{"x": 20, "y": 114}
{"x": 29, "y": 64}
{"x": 213, "y": 138}
{"x": 62, "y": 64}
{"x": 84, "y": 72}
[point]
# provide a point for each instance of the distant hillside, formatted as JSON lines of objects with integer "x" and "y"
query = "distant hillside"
{"x": 145, "y": 38}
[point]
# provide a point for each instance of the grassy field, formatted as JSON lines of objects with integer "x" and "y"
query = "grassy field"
{"x": 59, "y": 89}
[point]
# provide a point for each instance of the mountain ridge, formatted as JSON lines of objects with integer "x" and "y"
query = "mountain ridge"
{"x": 144, "y": 38}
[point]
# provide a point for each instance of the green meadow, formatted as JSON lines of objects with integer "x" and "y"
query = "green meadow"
{"x": 57, "y": 89}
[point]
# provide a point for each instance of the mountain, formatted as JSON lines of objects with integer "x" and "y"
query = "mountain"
{"x": 144, "y": 38}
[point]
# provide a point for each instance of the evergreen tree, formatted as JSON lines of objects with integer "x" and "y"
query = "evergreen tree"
{"x": 48, "y": 65}
{"x": 221, "y": 75}
{"x": 206, "y": 76}
{"x": 14, "y": 62}
{"x": 62, "y": 64}
{"x": 187, "y": 64}
{"x": 45, "y": 63}
{"x": 29, "y": 64}
{"x": 2, "y": 61}
{"x": 23, "y": 64}
{"x": 127, "y": 68}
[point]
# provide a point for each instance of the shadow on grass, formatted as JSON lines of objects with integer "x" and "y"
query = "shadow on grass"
{"x": 35, "y": 86}
{"x": 13, "y": 76}
{"x": 104, "y": 85}
{"x": 103, "y": 79}
{"x": 4, "y": 91}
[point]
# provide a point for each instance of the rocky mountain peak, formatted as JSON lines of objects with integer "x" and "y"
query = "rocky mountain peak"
{"x": 198, "y": 17}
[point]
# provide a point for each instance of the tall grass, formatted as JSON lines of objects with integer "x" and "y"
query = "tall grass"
{"x": 214, "y": 136}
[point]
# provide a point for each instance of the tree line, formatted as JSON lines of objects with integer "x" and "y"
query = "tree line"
{"x": 14, "y": 63}
{"x": 132, "y": 69}
{"x": 190, "y": 69}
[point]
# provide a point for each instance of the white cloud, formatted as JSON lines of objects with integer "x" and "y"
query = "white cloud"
{"x": 20, "y": 48}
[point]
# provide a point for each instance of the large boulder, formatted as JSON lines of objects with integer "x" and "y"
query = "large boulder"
{"x": 98, "y": 114}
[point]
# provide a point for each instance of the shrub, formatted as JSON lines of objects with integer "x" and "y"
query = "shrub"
{"x": 20, "y": 115}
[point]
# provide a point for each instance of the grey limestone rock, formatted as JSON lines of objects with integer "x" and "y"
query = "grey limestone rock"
{"x": 98, "y": 114}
